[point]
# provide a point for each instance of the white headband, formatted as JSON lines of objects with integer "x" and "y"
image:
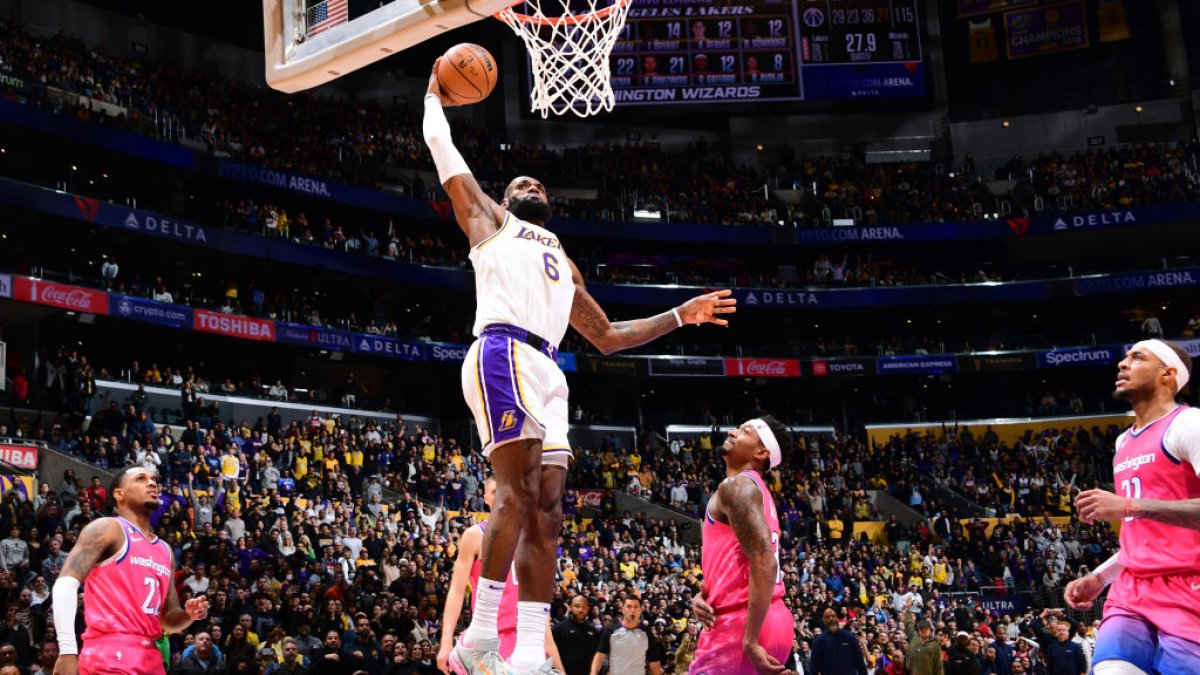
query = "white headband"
{"x": 768, "y": 439}
{"x": 1168, "y": 356}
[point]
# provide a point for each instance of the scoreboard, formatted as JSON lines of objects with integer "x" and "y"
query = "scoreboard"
{"x": 681, "y": 51}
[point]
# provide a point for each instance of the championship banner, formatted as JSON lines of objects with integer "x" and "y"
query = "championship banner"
{"x": 1046, "y": 30}
{"x": 681, "y": 366}
{"x": 917, "y": 365}
{"x": 19, "y": 456}
{"x": 977, "y": 7}
{"x": 991, "y": 363}
{"x": 762, "y": 368}
{"x": 234, "y": 326}
{"x": 312, "y": 336}
{"x": 5, "y": 285}
{"x": 1100, "y": 355}
{"x": 150, "y": 311}
{"x": 64, "y": 296}
{"x": 842, "y": 367}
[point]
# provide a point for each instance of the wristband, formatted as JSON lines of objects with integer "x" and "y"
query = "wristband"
{"x": 678, "y": 319}
{"x": 1128, "y": 509}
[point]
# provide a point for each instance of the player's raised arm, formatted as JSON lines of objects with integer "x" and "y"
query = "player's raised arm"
{"x": 590, "y": 320}
{"x": 478, "y": 215}
{"x": 99, "y": 539}
{"x": 741, "y": 502}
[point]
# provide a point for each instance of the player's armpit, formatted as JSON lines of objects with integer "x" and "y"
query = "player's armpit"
{"x": 99, "y": 539}
{"x": 478, "y": 216}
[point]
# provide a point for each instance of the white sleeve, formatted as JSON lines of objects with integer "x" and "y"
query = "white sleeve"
{"x": 1182, "y": 439}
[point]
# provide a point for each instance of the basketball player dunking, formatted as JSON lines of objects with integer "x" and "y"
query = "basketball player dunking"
{"x": 1152, "y": 615}
{"x": 748, "y": 629}
{"x": 467, "y": 567}
{"x": 130, "y": 600}
{"x": 528, "y": 291}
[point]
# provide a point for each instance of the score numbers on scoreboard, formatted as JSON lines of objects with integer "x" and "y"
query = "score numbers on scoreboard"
{"x": 676, "y": 51}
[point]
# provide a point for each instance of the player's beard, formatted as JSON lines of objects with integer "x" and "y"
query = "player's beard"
{"x": 531, "y": 210}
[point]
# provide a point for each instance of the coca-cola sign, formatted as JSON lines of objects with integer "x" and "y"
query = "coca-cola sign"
{"x": 60, "y": 295}
{"x": 762, "y": 367}
{"x": 592, "y": 498}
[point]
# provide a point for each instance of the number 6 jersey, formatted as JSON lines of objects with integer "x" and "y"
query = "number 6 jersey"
{"x": 125, "y": 594}
{"x": 522, "y": 279}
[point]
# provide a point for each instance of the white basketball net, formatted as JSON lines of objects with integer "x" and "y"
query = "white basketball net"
{"x": 569, "y": 53}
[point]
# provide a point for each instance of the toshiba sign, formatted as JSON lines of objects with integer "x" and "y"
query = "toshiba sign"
{"x": 19, "y": 456}
{"x": 762, "y": 368}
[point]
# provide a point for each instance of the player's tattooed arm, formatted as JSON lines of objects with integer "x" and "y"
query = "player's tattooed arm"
{"x": 1180, "y": 512}
{"x": 589, "y": 318}
{"x": 741, "y": 502}
{"x": 98, "y": 540}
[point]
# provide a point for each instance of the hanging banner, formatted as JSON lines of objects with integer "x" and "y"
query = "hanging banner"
{"x": 150, "y": 311}
{"x": 19, "y": 456}
{"x": 1046, "y": 30}
{"x": 679, "y": 366}
{"x": 917, "y": 365}
{"x": 991, "y": 363}
{"x": 312, "y": 336}
{"x": 762, "y": 368}
{"x": 843, "y": 367}
{"x": 234, "y": 326}
{"x": 63, "y": 296}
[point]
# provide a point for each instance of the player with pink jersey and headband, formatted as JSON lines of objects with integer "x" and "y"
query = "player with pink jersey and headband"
{"x": 748, "y": 629}
{"x": 1152, "y": 615}
{"x": 128, "y": 575}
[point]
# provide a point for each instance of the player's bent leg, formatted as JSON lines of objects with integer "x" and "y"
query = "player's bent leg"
{"x": 517, "y": 469}
{"x": 535, "y": 567}
{"x": 1127, "y": 639}
{"x": 1177, "y": 655}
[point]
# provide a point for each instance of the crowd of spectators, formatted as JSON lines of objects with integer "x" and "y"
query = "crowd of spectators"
{"x": 349, "y": 141}
{"x": 335, "y": 536}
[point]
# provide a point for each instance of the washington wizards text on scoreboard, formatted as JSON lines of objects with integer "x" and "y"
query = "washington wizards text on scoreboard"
{"x": 673, "y": 51}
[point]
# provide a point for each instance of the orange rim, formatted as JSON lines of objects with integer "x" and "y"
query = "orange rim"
{"x": 570, "y": 19}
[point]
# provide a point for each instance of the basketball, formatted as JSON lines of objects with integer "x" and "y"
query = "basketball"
{"x": 467, "y": 73}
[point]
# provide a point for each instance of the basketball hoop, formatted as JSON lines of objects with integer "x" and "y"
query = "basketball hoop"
{"x": 569, "y": 49}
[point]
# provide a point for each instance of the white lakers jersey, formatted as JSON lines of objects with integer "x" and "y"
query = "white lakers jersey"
{"x": 522, "y": 279}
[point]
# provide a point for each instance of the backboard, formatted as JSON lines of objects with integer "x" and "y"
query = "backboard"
{"x": 308, "y": 43}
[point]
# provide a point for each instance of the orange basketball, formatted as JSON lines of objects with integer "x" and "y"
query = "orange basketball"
{"x": 467, "y": 73}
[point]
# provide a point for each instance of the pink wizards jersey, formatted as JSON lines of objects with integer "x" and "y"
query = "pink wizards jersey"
{"x": 1145, "y": 468}
{"x": 506, "y": 616}
{"x": 726, "y": 568}
{"x": 727, "y": 588}
{"x": 124, "y": 594}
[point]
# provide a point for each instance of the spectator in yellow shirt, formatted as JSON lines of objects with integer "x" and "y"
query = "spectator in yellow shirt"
{"x": 629, "y": 567}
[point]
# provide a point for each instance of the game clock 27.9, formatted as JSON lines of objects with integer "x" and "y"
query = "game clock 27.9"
{"x": 767, "y": 50}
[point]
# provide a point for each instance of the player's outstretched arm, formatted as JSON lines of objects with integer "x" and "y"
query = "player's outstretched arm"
{"x": 478, "y": 215}
{"x": 589, "y": 319}
{"x": 1100, "y": 504}
{"x": 741, "y": 502}
{"x": 468, "y": 549}
{"x": 176, "y": 619}
{"x": 98, "y": 540}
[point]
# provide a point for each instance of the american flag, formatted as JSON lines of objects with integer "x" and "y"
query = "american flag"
{"x": 325, "y": 15}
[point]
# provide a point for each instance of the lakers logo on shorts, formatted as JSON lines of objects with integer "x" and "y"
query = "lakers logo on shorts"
{"x": 508, "y": 421}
